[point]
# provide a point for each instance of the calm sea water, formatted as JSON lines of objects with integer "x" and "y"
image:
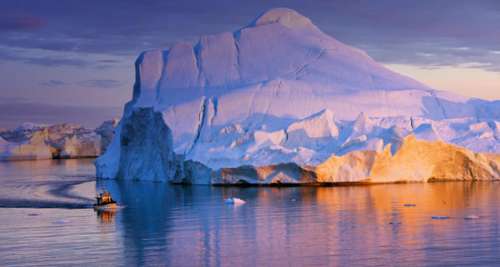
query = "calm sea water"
{"x": 45, "y": 220}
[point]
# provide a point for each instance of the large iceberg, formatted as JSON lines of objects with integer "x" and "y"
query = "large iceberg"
{"x": 281, "y": 95}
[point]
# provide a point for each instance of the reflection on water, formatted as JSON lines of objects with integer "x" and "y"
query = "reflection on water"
{"x": 106, "y": 216}
{"x": 159, "y": 224}
{"x": 337, "y": 226}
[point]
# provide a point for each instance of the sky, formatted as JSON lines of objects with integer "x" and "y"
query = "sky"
{"x": 73, "y": 60}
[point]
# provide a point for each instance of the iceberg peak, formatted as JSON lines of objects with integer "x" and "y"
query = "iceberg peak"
{"x": 285, "y": 16}
{"x": 361, "y": 123}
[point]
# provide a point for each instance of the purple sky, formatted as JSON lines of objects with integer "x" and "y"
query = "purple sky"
{"x": 72, "y": 60}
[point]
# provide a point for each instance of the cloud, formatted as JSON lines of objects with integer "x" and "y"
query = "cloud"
{"x": 44, "y": 58}
{"x": 104, "y": 83}
{"x": 20, "y": 22}
{"x": 108, "y": 61}
{"x": 430, "y": 56}
{"x": 56, "y": 62}
{"x": 53, "y": 83}
{"x": 101, "y": 83}
{"x": 4, "y": 100}
{"x": 15, "y": 111}
{"x": 9, "y": 54}
{"x": 391, "y": 31}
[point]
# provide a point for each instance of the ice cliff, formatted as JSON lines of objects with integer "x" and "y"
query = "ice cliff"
{"x": 146, "y": 150}
{"x": 280, "y": 94}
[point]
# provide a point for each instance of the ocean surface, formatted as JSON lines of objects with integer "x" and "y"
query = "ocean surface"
{"x": 46, "y": 219}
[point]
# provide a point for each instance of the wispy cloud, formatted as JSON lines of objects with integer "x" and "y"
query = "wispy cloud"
{"x": 19, "y": 55}
{"x": 56, "y": 62}
{"x": 41, "y": 57}
{"x": 392, "y": 31}
{"x": 53, "y": 83}
{"x": 15, "y": 111}
{"x": 95, "y": 83}
{"x": 101, "y": 83}
{"x": 20, "y": 22}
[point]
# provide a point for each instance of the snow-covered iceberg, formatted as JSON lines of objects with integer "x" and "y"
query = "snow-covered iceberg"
{"x": 280, "y": 94}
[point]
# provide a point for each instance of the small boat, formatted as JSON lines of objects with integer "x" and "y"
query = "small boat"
{"x": 105, "y": 202}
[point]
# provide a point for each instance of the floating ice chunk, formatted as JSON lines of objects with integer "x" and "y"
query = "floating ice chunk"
{"x": 440, "y": 217}
{"x": 410, "y": 205}
{"x": 471, "y": 217}
{"x": 234, "y": 201}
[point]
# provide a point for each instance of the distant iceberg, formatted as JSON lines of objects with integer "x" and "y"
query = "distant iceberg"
{"x": 34, "y": 142}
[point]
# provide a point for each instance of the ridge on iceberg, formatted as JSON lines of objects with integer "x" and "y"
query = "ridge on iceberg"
{"x": 415, "y": 161}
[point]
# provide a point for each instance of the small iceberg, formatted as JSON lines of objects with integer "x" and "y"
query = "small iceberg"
{"x": 234, "y": 201}
{"x": 410, "y": 205}
{"x": 471, "y": 217}
{"x": 440, "y": 217}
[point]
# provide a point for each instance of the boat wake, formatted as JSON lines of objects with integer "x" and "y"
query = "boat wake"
{"x": 63, "y": 194}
